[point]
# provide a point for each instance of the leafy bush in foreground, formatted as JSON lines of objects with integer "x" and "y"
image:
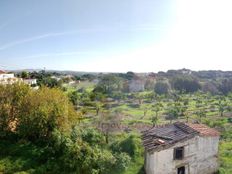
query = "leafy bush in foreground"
{"x": 130, "y": 145}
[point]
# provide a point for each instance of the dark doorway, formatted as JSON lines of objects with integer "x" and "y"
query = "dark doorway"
{"x": 181, "y": 170}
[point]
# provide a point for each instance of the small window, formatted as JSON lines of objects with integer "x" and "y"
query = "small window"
{"x": 179, "y": 153}
{"x": 181, "y": 170}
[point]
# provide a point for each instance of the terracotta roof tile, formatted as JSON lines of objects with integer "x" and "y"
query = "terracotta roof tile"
{"x": 203, "y": 129}
{"x": 2, "y": 72}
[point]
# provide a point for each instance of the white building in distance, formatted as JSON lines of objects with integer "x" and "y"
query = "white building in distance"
{"x": 8, "y": 78}
{"x": 30, "y": 81}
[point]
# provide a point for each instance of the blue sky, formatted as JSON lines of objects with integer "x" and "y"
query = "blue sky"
{"x": 115, "y": 35}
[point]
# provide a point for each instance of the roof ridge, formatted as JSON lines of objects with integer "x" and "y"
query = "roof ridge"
{"x": 156, "y": 126}
{"x": 184, "y": 127}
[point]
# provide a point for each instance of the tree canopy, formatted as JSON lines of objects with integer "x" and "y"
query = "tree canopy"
{"x": 35, "y": 113}
{"x": 185, "y": 84}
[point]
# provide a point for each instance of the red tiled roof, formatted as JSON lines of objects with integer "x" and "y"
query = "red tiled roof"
{"x": 203, "y": 129}
{"x": 2, "y": 72}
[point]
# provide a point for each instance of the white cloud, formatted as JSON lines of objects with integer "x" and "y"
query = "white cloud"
{"x": 80, "y": 31}
{"x": 58, "y": 54}
{"x": 34, "y": 38}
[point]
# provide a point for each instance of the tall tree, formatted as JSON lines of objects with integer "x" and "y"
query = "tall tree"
{"x": 173, "y": 111}
{"x": 11, "y": 98}
{"x": 157, "y": 107}
{"x": 186, "y": 84}
{"x": 222, "y": 105}
{"x": 24, "y": 74}
{"x": 43, "y": 111}
{"x": 161, "y": 88}
{"x": 108, "y": 84}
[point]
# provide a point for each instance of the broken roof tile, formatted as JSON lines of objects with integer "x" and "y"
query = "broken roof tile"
{"x": 164, "y": 136}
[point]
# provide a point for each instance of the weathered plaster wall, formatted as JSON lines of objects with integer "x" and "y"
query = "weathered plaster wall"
{"x": 207, "y": 155}
{"x": 200, "y": 157}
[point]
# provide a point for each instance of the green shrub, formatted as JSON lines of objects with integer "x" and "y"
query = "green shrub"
{"x": 130, "y": 145}
{"x": 225, "y": 154}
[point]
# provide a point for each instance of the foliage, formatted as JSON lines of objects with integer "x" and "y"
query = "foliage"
{"x": 84, "y": 157}
{"x": 11, "y": 99}
{"x": 89, "y": 135}
{"x": 222, "y": 105}
{"x": 173, "y": 111}
{"x": 108, "y": 84}
{"x": 34, "y": 114}
{"x": 88, "y": 77}
{"x": 122, "y": 161}
{"x": 44, "y": 110}
{"x": 219, "y": 123}
{"x": 157, "y": 107}
{"x": 127, "y": 76}
{"x": 49, "y": 82}
{"x": 161, "y": 88}
{"x": 74, "y": 97}
{"x": 130, "y": 145}
{"x": 225, "y": 157}
{"x": 149, "y": 84}
{"x": 210, "y": 87}
{"x": 227, "y": 134}
{"x": 61, "y": 154}
{"x": 21, "y": 157}
{"x": 185, "y": 84}
{"x": 225, "y": 86}
{"x": 24, "y": 74}
{"x": 45, "y": 79}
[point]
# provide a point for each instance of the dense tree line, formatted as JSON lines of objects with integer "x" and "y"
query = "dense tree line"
{"x": 185, "y": 81}
{"x": 185, "y": 84}
{"x": 116, "y": 83}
